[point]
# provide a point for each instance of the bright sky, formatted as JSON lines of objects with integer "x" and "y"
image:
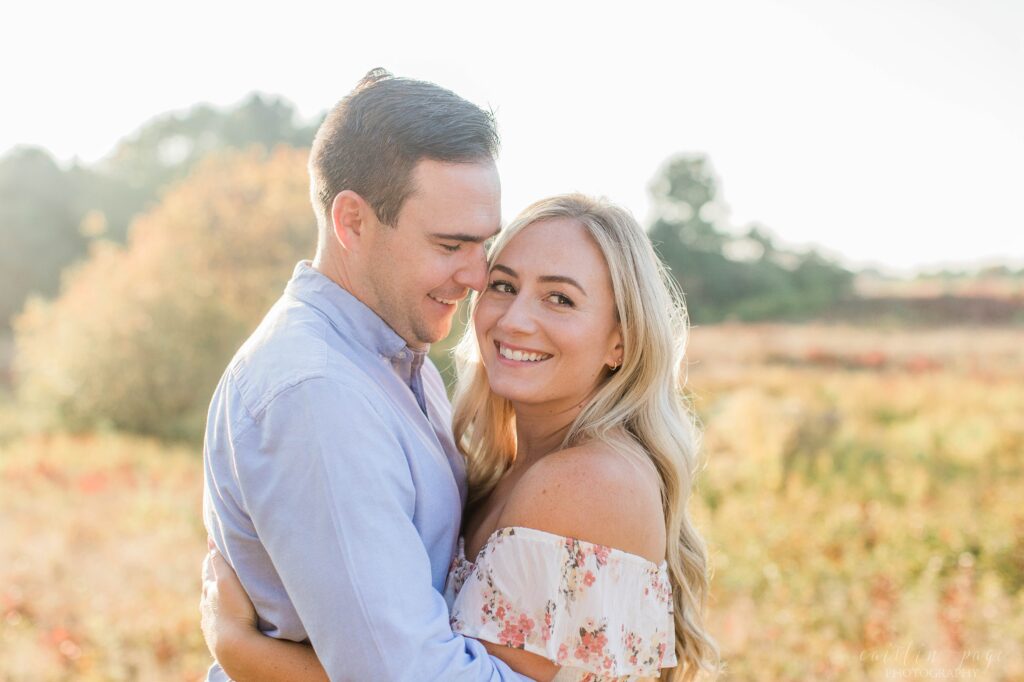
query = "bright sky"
{"x": 888, "y": 133}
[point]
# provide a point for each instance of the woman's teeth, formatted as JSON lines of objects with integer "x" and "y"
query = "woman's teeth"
{"x": 520, "y": 356}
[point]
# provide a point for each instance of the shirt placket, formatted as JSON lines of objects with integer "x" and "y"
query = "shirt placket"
{"x": 416, "y": 379}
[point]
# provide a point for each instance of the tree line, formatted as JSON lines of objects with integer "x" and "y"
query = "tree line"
{"x": 49, "y": 216}
{"x": 131, "y": 283}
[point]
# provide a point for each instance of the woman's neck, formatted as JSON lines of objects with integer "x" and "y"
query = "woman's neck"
{"x": 540, "y": 432}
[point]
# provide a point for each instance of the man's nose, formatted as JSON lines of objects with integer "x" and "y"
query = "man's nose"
{"x": 473, "y": 274}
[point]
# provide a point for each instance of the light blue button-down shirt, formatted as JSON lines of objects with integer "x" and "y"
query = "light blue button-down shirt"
{"x": 333, "y": 487}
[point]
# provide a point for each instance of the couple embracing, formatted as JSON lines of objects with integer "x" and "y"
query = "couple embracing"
{"x": 536, "y": 528}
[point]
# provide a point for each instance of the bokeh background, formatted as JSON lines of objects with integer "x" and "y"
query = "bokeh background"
{"x": 835, "y": 185}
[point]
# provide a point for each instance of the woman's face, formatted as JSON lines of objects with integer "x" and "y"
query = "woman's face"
{"x": 546, "y": 320}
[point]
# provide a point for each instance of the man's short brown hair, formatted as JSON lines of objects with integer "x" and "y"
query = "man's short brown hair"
{"x": 372, "y": 139}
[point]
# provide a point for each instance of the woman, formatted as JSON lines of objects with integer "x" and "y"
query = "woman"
{"x": 577, "y": 558}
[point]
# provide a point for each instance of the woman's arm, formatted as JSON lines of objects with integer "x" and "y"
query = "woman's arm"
{"x": 229, "y": 626}
{"x": 523, "y": 662}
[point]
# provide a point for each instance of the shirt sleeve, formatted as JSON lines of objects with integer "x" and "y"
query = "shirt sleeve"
{"x": 331, "y": 497}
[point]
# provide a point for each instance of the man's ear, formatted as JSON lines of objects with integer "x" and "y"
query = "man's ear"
{"x": 349, "y": 214}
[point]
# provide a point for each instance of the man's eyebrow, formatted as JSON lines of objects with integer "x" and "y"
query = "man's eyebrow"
{"x": 561, "y": 279}
{"x": 463, "y": 237}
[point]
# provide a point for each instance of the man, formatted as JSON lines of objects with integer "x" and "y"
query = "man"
{"x": 333, "y": 486}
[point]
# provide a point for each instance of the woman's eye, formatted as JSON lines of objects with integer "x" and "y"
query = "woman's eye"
{"x": 501, "y": 287}
{"x": 451, "y": 248}
{"x": 561, "y": 299}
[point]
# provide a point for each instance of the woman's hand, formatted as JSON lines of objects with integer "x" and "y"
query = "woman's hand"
{"x": 232, "y": 635}
{"x": 227, "y": 612}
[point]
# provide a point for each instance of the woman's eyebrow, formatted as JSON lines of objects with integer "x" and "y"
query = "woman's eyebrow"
{"x": 561, "y": 279}
{"x": 504, "y": 268}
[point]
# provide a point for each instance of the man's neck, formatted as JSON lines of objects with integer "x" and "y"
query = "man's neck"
{"x": 335, "y": 269}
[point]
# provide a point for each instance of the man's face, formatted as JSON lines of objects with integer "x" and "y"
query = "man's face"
{"x": 419, "y": 269}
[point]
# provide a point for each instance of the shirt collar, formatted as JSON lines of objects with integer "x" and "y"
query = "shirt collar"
{"x": 347, "y": 314}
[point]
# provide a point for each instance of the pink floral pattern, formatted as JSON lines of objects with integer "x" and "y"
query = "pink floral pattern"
{"x": 599, "y": 612}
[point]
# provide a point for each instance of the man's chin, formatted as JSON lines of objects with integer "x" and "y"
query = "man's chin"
{"x": 435, "y": 334}
{"x": 440, "y": 335}
{"x": 440, "y": 328}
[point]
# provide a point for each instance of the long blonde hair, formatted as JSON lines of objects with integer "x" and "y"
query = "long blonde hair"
{"x": 640, "y": 407}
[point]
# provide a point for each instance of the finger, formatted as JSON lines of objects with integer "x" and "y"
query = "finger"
{"x": 220, "y": 565}
{"x": 208, "y": 571}
{"x": 208, "y": 590}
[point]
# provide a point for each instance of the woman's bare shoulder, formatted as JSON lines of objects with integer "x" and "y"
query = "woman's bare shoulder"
{"x": 594, "y": 493}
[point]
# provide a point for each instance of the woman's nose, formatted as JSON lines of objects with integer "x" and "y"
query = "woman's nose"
{"x": 518, "y": 317}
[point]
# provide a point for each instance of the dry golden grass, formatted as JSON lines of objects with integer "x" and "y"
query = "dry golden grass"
{"x": 862, "y": 500}
{"x": 861, "y": 503}
{"x": 101, "y": 540}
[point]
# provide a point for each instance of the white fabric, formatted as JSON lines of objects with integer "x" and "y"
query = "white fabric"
{"x": 601, "y": 613}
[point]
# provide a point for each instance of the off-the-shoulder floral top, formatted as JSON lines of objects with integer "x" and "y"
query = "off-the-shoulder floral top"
{"x": 601, "y": 613}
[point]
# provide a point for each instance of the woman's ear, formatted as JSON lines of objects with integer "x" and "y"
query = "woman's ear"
{"x": 614, "y": 358}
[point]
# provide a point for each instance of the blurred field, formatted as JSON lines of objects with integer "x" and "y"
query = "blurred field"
{"x": 863, "y": 500}
{"x": 862, "y": 503}
{"x": 101, "y": 540}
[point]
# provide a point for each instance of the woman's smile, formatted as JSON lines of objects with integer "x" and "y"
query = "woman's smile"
{"x": 517, "y": 355}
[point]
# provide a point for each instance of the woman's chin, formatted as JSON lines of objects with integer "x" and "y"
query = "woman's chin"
{"x": 511, "y": 396}
{"x": 514, "y": 392}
